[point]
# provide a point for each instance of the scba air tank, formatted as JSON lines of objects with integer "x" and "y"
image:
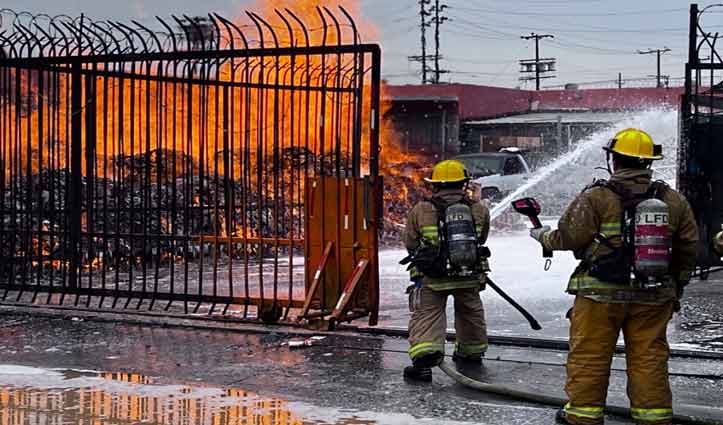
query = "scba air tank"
{"x": 652, "y": 240}
{"x": 461, "y": 239}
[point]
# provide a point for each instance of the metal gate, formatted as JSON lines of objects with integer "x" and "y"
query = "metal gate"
{"x": 700, "y": 174}
{"x": 166, "y": 168}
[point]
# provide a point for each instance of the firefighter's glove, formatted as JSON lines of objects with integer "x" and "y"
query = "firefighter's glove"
{"x": 539, "y": 233}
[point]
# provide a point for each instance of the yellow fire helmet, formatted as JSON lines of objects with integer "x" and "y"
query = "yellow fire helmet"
{"x": 448, "y": 171}
{"x": 635, "y": 143}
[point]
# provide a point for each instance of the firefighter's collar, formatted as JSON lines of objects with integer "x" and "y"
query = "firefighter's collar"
{"x": 631, "y": 174}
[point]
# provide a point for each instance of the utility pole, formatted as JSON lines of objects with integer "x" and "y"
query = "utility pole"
{"x": 659, "y": 52}
{"x": 438, "y": 20}
{"x": 423, "y": 13}
{"x": 548, "y": 63}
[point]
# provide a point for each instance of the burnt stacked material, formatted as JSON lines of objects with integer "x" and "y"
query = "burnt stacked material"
{"x": 150, "y": 205}
{"x": 403, "y": 188}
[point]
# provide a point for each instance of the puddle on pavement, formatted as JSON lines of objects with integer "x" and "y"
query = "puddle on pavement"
{"x": 44, "y": 397}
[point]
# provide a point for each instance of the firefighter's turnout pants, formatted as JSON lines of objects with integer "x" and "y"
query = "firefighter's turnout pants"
{"x": 428, "y": 325}
{"x": 594, "y": 331}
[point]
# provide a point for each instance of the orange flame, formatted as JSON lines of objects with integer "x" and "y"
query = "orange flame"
{"x": 168, "y": 120}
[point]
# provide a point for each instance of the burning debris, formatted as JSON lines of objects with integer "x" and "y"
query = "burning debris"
{"x": 182, "y": 166}
{"x": 158, "y": 206}
{"x": 403, "y": 188}
{"x": 145, "y": 204}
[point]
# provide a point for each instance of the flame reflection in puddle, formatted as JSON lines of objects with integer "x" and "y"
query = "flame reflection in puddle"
{"x": 45, "y": 397}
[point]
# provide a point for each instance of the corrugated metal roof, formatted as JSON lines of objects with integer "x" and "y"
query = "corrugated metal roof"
{"x": 553, "y": 117}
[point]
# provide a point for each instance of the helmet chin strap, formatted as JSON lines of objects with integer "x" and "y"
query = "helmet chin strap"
{"x": 608, "y": 168}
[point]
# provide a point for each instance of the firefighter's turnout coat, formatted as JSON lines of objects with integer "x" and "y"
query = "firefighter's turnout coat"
{"x": 599, "y": 210}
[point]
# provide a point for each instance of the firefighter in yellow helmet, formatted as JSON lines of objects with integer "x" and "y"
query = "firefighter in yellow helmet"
{"x": 616, "y": 289}
{"x": 445, "y": 237}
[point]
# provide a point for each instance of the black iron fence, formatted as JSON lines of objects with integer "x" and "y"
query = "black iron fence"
{"x": 166, "y": 166}
{"x": 700, "y": 173}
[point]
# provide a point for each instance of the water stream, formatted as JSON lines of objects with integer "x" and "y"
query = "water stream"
{"x": 569, "y": 173}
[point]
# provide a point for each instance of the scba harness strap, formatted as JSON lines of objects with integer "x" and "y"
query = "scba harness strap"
{"x": 432, "y": 259}
{"x": 616, "y": 267}
{"x": 656, "y": 190}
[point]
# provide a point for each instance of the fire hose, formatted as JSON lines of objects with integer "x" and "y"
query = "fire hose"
{"x": 534, "y": 324}
{"x": 549, "y": 400}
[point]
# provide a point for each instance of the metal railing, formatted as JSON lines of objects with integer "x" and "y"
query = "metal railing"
{"x": 166, "y": 167}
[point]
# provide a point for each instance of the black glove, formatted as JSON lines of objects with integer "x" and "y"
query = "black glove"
{"x": 427, "y": 260}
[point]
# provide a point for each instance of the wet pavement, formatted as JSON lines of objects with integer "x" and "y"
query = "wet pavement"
{"x": 63, "y": 367}
{"x": 105, "y": 372}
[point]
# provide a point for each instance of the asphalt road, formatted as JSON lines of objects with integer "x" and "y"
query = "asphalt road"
{"x": 114, "y": 372}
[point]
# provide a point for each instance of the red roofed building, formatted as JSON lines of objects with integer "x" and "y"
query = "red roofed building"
{"x": 474, "y": 102}
{"x": 446, "y": 119}
{"x": 625, "y": 99}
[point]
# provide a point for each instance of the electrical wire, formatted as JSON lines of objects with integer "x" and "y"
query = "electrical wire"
{"x": 528, "y": 13}
{"x": 569, "y": 27}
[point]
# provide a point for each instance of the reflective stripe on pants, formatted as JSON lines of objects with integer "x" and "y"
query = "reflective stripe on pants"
{"x": 652, "y": 415}
{"x": 424, "y": 348}
{"x": 595, "y": 413}
{"x": 470, "y": 350}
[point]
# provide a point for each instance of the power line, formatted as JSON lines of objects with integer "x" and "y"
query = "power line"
{"x": 659, "y": 52}
{"x": 573, "y": 45}
{"x": 479, "y": 35}
{"x": 527, "y": 13}
{"x": 573, "y": 28}
{"x": 479, "y": 62}
{"x": 477, "y": 26}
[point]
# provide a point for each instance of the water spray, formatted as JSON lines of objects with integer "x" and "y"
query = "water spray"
{"x": 577, "y": 165}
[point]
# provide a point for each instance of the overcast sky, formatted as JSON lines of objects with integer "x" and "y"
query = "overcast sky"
{"x": 594, "y": 39}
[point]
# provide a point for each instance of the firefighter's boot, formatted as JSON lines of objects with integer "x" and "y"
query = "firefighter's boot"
{"x": 561, "y": 417}
{"x": 460, "y": 359}
{"x": 421, "y": 369}
{"x": 470, "y": 367}
{"x": 418, "y": 373}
